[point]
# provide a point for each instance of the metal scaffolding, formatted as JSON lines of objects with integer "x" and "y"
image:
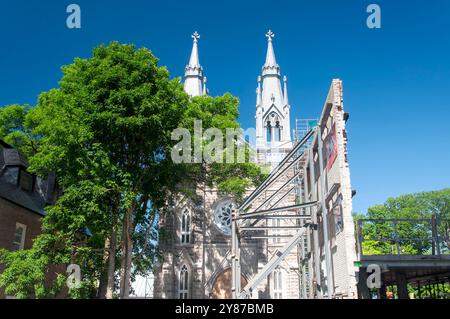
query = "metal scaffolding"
{"x": 289, "y": 178}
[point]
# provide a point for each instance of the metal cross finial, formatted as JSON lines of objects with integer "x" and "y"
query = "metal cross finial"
{"x": 270, "y": 35}
{"x": 196, "y": 36}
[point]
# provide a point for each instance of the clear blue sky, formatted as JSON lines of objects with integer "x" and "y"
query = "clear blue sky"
{"x": 396, "y": 79}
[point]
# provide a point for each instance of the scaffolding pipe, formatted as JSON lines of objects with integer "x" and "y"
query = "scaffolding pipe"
{"x": 327, "y": 249}
{"x": 267, "y": 236}
{"x": 256, "y": 228}
{"x": 258, "y": 215}
{"x": 283, "y": 197}
{"x": 259, "y": 218}
{"x": 274, "y": 210}
{"x": 233, "y": 256}
{"x": 248, "y": 200}
{"x": 269, "y": 183}
{"x": 316, "y": 249}
{"x": 308, "y": 235}
{"x": 276, "y": 259}
{"x": 277, "y": 191}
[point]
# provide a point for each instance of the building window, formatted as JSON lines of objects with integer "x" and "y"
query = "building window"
{"x": 273, "y": 128}
{"x": 338, "y": 218}
{"x": 19, "y": 236}
{"x": 269, "y": 132}
{"x": 26, "y": 181}
{"x": 183, "y": 291}
{"x": 277, "y": 291}
{"x": 276, "y": 223}
{"x": 277, "y": 136}
{"x": 222, "y": 216}
{"x": 186, "y": 227}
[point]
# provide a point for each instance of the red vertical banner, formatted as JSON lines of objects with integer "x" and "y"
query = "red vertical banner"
{"x": 331, "y": 150}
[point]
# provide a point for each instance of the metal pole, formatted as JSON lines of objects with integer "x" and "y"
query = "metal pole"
{"x": 397, "y": 243}
{"x": 233, "y": 255}
{"x": 305, "y": 139}
{"x": 300, "y": 247}
{"x": 277, "y": 191}
{"x": 308, "y": 235}
{"x": 316, "y": 249}
{"x": 237, "y": 255}
{"x": 274, "y": 210}
{"x": 274, "y": 205}
{"x": 274, "y": 261}
{"x": 283, "y": 197}
{"x": 435, "y": 236}
{"x": 328, "y": 259}
{"x": 238, "y": 260}
{"x": 360, "y": 235}
{"x": 268, "y": 182}
{"x": 261, "y": 217}
{"x": 257, "y": 228}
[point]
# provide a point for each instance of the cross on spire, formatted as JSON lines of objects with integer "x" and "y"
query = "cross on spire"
{"x": 270, "y": 35}
{"x": 196, "y": 36}
{"x": 193, "y": 84}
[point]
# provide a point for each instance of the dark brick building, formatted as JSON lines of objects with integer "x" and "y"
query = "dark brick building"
{"x": 23, "y": 197}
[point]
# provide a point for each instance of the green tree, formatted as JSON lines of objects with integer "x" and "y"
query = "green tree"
{"x": 106, "y": 133}
{"x": 412, "y": 237}
{"x": 15, "y": 129}
{"x": 233, "y": 178}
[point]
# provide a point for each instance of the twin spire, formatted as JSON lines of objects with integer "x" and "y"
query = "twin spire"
{"x": 272, "y": 101}
{"x": 271, "y": 91}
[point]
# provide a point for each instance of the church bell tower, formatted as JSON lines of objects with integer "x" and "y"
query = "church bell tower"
{"x": 273, "y": 136}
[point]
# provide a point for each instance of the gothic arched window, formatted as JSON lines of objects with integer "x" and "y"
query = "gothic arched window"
{"x": 273, "y": 128}
{"x": 276, "y": 223}
{"x": 269, "y": 132}
{"x": 183, "y": 288}
{"x": 277, "y": 133}
{"x": 186, "y": 227}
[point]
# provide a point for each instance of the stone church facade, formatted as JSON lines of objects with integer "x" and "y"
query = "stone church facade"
{"x": 196, "y": 257}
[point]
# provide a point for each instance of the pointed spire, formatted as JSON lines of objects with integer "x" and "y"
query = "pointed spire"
{"x": 205, "y": 90}
{"x": 258, "y": 92}
{"x": 194, "y": 60}
{"x": 270, "y": 57}
{"x": 270, "y": 67}
{"x": 193, "y": 83}
{"x": 286, "y": 96}
{"x": 274, "y": 101}
{"x": 272, "y": 92}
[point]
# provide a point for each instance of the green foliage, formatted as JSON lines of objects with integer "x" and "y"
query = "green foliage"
{"x": 106, "y": 133}
{"x": 25, "y": 275}
{"x": 16, "y": 129}
{"x": 220, "y": 113}
{"x": 63, "y": 241}
{"x": 382, "y": 237}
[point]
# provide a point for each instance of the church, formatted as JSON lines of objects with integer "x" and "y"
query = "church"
{"x": 196, "y": 260}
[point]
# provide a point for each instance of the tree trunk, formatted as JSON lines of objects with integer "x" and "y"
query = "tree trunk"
{"x": 101, "y": 294}
{"x": 107, "y": 280}
{"x": 111, "y": 261}
{"x": 127, "y": 251}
